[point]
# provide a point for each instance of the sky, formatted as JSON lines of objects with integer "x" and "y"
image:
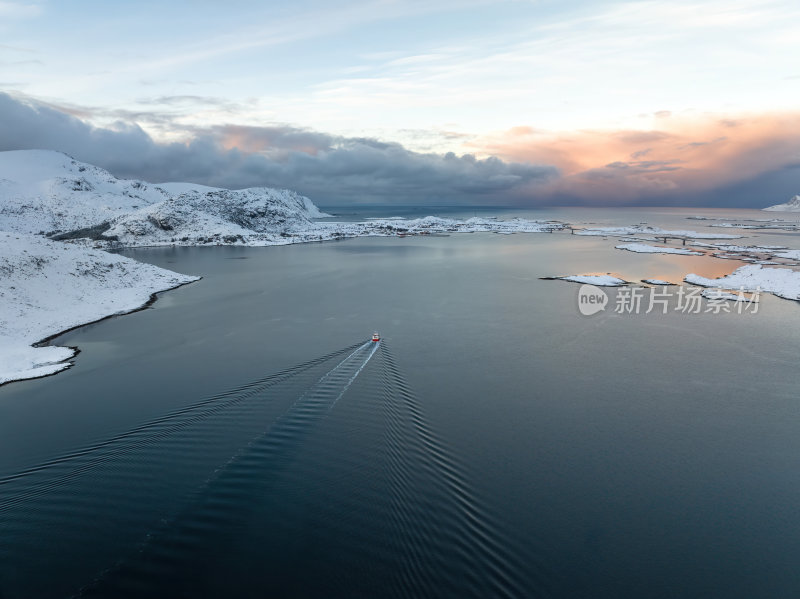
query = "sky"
{"x": 506, "y": 102}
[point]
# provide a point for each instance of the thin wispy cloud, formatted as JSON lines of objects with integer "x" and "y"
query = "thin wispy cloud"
{"x": 19, "y": 10}
{"x": 629, "y": 55}
{"x": 537, "y": 63}
{"x": 5, "y": 47}
{"x": 20, "y": 63}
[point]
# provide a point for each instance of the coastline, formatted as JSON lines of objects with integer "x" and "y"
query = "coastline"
{"x": 75, "y": 349}
{"x": 49, "y": 288}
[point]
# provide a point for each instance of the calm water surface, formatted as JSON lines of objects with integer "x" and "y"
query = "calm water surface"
{"x": 242, "y": 438}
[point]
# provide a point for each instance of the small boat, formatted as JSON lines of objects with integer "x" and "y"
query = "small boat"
{"x": 375, "y": 337}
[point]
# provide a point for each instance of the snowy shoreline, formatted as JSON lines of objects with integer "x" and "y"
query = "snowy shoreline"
{"x": 48, "y": 288}
{"x": 600, "y": 280}
{"x": 66, "y": 365}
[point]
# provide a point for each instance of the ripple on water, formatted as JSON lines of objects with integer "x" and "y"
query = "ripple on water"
{"x": 325, "y": 479}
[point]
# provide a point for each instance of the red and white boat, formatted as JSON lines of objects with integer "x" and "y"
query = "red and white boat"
{"x": 375, "y": 337}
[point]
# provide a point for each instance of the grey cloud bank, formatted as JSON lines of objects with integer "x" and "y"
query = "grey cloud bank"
{"x": 327, "y": 168}
{"x": 336, "y": 170}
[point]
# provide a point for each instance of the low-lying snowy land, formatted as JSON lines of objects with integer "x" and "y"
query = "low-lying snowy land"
{"x": 47, "y": 287}
{"x": 644, "y": 248}
{"x": 606, "y": 280}
{"x": 783, "y": 282}
{"x": 648, "y": 233}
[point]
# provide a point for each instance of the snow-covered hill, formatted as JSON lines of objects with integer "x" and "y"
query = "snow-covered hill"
{"x": 792, "y": 205}
{"x": 44, "y": 191}
{"x": 47, "y": 286}
{"x": 220, "y": 215}
{"x": 49, "y": 192}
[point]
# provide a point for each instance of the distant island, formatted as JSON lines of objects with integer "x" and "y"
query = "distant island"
{"x": 792, "y": 205}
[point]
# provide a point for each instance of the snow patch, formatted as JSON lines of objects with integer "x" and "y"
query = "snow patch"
{"x": 648, "y": 230}
{"x": 599, "y": 280}
{"x": 656, "y": 282}
{"x": 643, "y": 248}
{"x": 719, "y": 294}
{"x": 744, "y": 249}
{"x": 782, "y": 282}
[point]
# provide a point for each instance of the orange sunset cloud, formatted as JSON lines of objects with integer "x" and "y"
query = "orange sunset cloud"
{"x": 686, "y": 154}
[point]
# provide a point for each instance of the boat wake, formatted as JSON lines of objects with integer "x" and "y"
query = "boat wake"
{"x": 324, "y": 479}
{"x": 228, "y": 499}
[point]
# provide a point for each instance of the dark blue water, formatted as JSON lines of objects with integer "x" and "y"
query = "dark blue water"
{"x": 243, "y": 438}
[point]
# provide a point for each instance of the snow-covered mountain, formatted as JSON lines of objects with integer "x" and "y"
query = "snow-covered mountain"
{"x": 43, "y": 191}
{"x": 792, "y": 205}
{"x": 48, "y": 192}
{"x": 221, "y": 215}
